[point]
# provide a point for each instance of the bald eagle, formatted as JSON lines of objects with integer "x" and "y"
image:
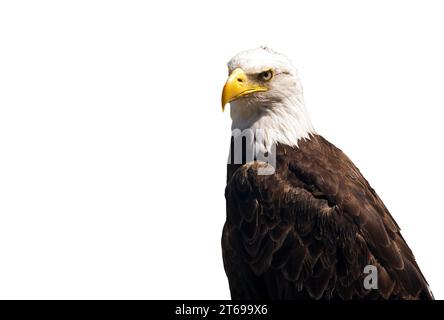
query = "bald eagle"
{"x": 302, "y": 222}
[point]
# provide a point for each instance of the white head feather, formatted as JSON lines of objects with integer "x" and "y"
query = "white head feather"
{"x": 279, "y": 112}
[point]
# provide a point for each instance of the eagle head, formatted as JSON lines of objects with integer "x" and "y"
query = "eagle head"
{"x": 260, "y": 75}
{"x": 265, "y": 93}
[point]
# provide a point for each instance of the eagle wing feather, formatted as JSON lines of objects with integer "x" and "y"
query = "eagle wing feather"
{"x": 308, "y": 231}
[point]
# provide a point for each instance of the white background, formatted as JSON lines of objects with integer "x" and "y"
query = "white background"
{"x": 113, "y": 145}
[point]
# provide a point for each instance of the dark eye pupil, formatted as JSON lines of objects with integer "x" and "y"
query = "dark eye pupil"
{"x": 266, "y": 74}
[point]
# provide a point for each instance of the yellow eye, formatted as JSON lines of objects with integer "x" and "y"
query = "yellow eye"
{"x": 266, "y": 75}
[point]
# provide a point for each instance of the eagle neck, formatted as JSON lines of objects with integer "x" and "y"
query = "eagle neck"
{"x": 280, "y": 122}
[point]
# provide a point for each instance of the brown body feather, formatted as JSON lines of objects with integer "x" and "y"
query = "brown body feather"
{"x": 308, "y": 230}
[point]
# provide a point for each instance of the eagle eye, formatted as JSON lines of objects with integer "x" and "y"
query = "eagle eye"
{"x": 266, "y": 75}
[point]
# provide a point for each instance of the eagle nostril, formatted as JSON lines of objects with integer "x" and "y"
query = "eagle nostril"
{"x": 239, "y": 80}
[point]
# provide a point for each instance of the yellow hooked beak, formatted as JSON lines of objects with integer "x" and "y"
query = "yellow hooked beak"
{"x": 237, "y": 86}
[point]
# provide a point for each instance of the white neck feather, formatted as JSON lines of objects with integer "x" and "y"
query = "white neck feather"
{"x": 282, "y": 122}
